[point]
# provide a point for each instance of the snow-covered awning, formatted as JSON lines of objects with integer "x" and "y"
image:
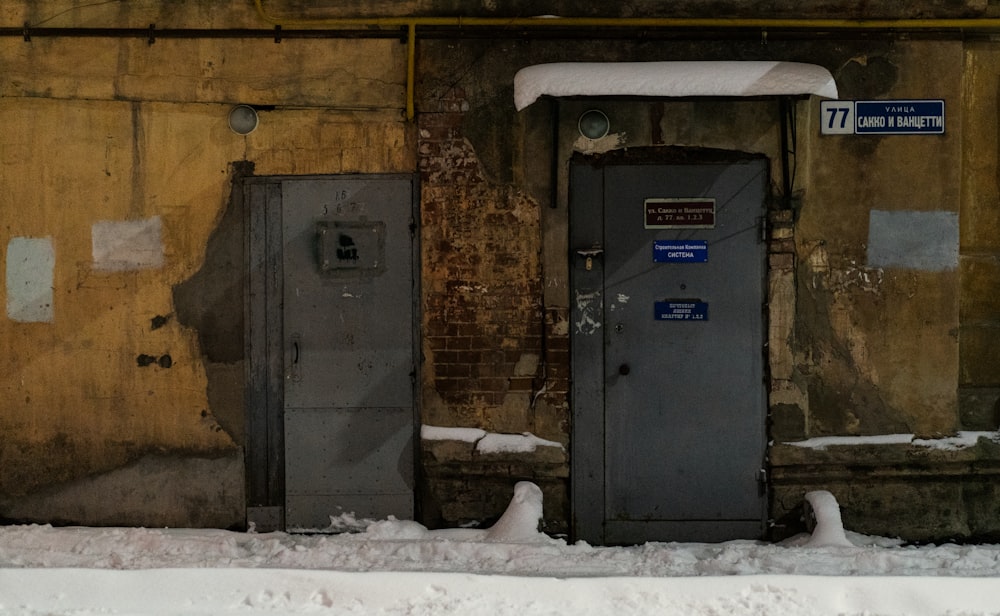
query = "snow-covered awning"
{"x": 750, "y": 78}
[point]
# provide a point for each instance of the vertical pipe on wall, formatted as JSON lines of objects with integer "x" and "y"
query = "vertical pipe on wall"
{"x": 554, "y": 176}
{"x": 786, "y": 178}
{"x": 411, "y": 67}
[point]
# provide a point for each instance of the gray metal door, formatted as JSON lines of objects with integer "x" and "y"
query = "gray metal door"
{"x": 668, "y": 339}
{"x": 346, "y": 346}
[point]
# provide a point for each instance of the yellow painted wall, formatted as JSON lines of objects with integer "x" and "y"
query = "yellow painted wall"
{"x": 877, "y": 347}
{"x": 121, "y": 130}
{"x": 979, "y": 368}
{"x": 72, "y": 385}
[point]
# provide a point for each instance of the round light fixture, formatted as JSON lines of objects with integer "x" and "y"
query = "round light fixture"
{"x": 243, "y": 119}
{"x": 593, "y": 124}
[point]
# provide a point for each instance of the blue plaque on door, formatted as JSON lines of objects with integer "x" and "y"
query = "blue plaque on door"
{"x": 681, "y": 310}
{"x": 680, "y": 251}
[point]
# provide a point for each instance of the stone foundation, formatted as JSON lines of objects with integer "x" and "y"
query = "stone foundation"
{"x": 919, "y": 491}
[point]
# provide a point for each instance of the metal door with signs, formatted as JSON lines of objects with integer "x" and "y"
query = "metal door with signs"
{"x": 340, "y": 346}
{"x": 669, "y": 402}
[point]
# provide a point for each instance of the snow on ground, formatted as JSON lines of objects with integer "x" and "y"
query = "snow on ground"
{"x": 398, "y": 567}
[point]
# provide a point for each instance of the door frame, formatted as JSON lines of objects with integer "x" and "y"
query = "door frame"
{"x": 264, "y": 345}
{"x": 585, "y": 174}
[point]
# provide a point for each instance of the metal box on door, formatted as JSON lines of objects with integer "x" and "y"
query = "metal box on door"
{"x": 347, "y": 248}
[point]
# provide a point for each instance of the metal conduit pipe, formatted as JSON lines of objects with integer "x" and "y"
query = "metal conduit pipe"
{"x": 151, "y": 33}
{"x": 405, "y": 28}
{"x": 637, "y": 22}
{"x": 763, "y": 24}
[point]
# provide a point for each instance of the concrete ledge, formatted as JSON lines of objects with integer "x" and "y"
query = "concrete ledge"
{"x": 155, "y": 491}
{"x": 900, "y": 449}
{"x": 470, "y": 486}
{"x": 922, "y": 490}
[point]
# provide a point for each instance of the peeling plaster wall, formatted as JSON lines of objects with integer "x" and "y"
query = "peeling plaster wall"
{"x": 78, "y": 397}
{"x": 863, "y": 329}
{"x": 118, "y": 155}
{"x": 124, "y": 249}
{"x": 483, "y": 326}
{"x": 876, "y": 333}
{"x": 979, "y": 226}
{"x": 894, "y": 318}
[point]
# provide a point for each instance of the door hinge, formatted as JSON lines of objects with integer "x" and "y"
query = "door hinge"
{"x": 762, "y": 223}
{"x": 762, "y": 481}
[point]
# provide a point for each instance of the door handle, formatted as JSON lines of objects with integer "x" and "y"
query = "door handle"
{"x": 295, "y": 369}
{"x": 588, "y": 255}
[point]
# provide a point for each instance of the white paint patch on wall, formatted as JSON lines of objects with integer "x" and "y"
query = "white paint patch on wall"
{"x": 926, "y": 241}
{"x": 604, "y": 144}
{"x": 126, "y": 245}
{"x": 30, "y": 271}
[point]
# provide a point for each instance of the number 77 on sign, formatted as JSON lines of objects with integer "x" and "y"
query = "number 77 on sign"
{"x": 837, "y": 117}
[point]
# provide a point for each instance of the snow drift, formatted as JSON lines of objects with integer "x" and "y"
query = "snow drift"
{"x": 398, "y": 567}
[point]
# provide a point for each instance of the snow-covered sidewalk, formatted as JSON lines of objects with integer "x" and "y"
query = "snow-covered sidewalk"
{"x": 88, "y": 571}
{"x": 399, "y": 567}
{"x": 239, "y": 591}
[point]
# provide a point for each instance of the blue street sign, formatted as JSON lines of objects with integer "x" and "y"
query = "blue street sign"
{"x": 681, "y": 310}
{"x": 897, "y": 117}
{"x": 680, "y": 251}
{"x": 917, "y": 117}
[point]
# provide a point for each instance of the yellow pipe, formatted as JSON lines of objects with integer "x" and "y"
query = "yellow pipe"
{"x": 411, "y": 23}
{"x": 636, "y": 22}
{"x": 411, "y": 68}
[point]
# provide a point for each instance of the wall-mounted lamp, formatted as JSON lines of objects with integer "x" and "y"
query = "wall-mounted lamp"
{"x": 243, "y": 119}
{"x": 593, "y": 124}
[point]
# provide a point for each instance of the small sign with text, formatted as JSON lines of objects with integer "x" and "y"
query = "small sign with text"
{"x": 901, "y": 117}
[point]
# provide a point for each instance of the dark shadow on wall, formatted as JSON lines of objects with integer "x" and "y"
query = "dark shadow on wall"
{"x": 211, "y": 302}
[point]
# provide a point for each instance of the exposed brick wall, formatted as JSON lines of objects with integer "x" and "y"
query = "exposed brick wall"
{"x": 488, "y": 345}
{"x": 481, "y": 281}
{"x": 557, "y": 368}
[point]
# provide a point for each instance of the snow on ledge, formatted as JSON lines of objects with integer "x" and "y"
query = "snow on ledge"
{"x": 513, "y": 443}
{"x": 488, "y": 442}
{"x": 961, "y": 441}
{"x": 437, "y": 433}
{"x": 699, "y": 78}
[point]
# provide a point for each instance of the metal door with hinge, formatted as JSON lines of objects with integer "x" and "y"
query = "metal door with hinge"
{"x": 669, "y": 400}
{"x": 335, "y": 312}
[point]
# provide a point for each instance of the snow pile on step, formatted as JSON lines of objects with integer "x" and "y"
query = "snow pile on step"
{"x": 829, "y": 530}
{"x": 518, "y": 524}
